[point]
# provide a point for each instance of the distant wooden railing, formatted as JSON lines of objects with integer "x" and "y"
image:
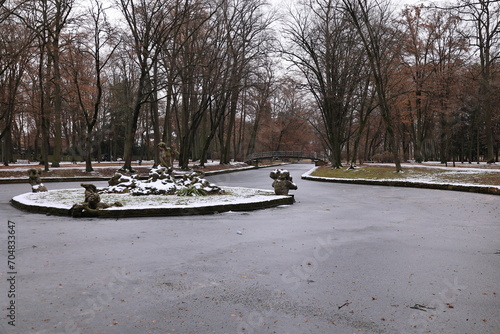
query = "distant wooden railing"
{"x": 285, "y": 154}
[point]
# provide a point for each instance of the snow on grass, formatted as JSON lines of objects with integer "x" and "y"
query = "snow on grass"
{"x": 413, "y": 180}
{"x": 60, "y": 199}
{"x": 66, "y": 198}
{"x": 471, "y": 177}
{"x": 461, "y": 168}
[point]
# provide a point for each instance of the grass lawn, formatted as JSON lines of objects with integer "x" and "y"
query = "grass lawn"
{"x": 420, "y": 173}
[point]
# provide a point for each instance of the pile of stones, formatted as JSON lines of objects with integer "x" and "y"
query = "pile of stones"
{"x": 162, "y": 181}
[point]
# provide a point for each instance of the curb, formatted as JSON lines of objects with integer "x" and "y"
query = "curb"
{"x": 398, "y": 183}
{"x": 156, "y": 212}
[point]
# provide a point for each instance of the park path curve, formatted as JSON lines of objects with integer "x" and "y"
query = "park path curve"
{"x": 342, "y": 259}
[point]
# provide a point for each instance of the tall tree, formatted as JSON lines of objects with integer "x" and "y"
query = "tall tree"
{"x": 87, "y": 76}
{"x": 150, "y": 24}
{"x": 418, "y": 44}
{"x": 288, "y": 127}
{"x": 212, "y": 87}
{"x": 326, "y": 49}
{"x": 448, "y": 56}
{"x": 260, "y": 98}
{"x": 248, "y": 37}
{"x": 364, "y": 104}
{"x": 483, "y": 17}
{"x": 57, "y": 15}
{"x": 374, "y": 23}
{"x": 47, "y": 19}
{"x": 15, "y": 41}
{"x": 196, "y": 67}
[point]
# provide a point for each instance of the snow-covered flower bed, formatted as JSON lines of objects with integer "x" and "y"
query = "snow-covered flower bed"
{"x": 66, "y": 198}
{"x": 161, "y": 181}
{"x": 443, "y": 180}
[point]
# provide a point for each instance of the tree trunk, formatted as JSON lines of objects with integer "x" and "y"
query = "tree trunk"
{"x": 130, "y": 141}
{"x": 57, "y": 107}
{"x": 226, "y": 149}
{"x": 6, "y": 146}
{"x": 44, "y": 121}
{"x": 88, "y": 150}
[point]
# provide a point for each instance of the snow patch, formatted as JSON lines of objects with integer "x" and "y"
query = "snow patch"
{"x": 66, "y": 198}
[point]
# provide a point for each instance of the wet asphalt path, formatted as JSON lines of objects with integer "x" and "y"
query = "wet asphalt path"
{"x": 342, "y": 259}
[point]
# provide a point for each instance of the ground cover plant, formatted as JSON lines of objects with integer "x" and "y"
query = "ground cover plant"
{"x": 417, "y": 173}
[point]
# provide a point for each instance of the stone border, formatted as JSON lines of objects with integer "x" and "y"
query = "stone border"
{"x": 490, "y": 190}
{"x": 156, "y": 212}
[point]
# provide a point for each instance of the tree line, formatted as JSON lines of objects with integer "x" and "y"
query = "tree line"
{"x": 421, "y": 82}
{"x": 220, "y": 79}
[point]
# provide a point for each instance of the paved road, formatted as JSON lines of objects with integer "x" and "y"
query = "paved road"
{"x": 342, "y": 259}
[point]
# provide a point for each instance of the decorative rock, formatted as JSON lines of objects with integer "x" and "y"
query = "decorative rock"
{"x": 160, "y": 173}
{"x": 162, "y": 182}
{"x": 115, "y": 180}
{"x": 122, "y": 184}
{"x": 282, "y": 181}
{"x": 35, "y": 180}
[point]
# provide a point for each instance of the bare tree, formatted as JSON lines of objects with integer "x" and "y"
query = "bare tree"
{"x": 14, "y": 57}
{"x": 483, "y": 17}
{"x": 211, "y": 73}
{"x": 247, "y": 40}
{"x": 150, "y": 24}
{"x": 448, "y": 62}
{"x": 287, "y": 126}
{"x": 260, "y": 98}
{"x": 373, "y": 21}
{"x": 418, "y": 44}
{"x": 15, "y": 41}
{"x": 47, "y": 19}
{"x": 197, "y": 67}
{"x": 61, "y": 10}
{"x": 364, "y": 104}
{"x": 325, "y": 47}
{"x": 88, "y": 76}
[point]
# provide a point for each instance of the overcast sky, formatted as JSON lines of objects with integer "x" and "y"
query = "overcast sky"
{"x": 399, "y": 3}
